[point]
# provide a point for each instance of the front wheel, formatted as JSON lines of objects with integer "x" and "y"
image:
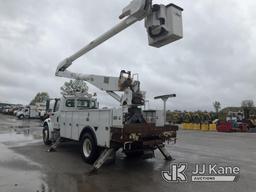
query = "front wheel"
{"x": 46, "y": 135}
{"x": 21, "y": 116}
{"x": 89, "y": 148}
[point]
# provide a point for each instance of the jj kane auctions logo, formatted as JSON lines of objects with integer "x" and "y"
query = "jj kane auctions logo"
{"x": 201, "y": 173}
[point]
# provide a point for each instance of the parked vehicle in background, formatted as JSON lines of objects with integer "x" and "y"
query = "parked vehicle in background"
{"x": 41, "y": 108}
{"x": 27, "y": 112}
{"x": 31, "y": 111}
{"x": 6, "y": 109}
{"x": 10, "y": 109}
{"x": 17, "y": 110}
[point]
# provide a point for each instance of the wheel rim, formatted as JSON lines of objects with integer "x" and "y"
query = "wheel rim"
{"x": 87, "y": 147}
{"x": 45, "y": 135}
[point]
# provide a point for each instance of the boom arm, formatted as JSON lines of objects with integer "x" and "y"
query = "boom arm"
{"x": 136, "y": 10}
{"x": 164, "y": 25}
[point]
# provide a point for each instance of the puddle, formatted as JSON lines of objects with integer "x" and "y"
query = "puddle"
{"x": 20, "y": 136}
{"x": 18, "y": 173}
{"x": 14, "y": 132}
{"x": 12, "y": 122}
{"x": 21, "y": 181}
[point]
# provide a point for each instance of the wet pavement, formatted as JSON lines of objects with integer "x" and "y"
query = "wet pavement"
{"x": 26, "y": 166}
{"x": 17, "y": 172}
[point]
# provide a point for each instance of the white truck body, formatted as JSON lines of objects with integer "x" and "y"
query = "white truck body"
{"x": 69, "y": 118}
{"x": 72, "y": 119}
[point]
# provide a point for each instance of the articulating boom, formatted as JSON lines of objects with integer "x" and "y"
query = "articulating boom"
{"x": 164, "y": 25}
{"x": 112, "y": 129}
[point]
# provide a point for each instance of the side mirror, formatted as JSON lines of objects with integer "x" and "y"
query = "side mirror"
{"x": 47, "y": 104}
{"x": 164, "y": 25}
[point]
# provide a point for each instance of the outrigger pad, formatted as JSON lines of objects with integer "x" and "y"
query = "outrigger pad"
{"x": 51, "y": 149}
{"x": 94, "y": 171}
{"x": 169, "y": 158}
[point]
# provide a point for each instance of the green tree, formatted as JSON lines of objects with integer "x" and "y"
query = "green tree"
{"x": 247, "y": 106}
{"x": 40, "y": 97}
{"x": 217, "y": 107}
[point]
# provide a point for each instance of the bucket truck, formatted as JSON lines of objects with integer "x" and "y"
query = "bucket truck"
{"x": 101, "y": 132}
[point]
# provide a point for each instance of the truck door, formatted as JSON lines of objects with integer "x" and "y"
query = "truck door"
{"x": 33, "y": 113}
{"x": 27, "y": 112}
{"x": 55, "y": 115}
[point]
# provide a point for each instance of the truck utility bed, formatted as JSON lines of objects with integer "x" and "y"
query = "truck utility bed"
{"x": 147, "y": 133}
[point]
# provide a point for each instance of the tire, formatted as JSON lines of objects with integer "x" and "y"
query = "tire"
{"x": 46, "y": 135}
{"x": 21, "y": 117}
{"x": 89, "y": 149}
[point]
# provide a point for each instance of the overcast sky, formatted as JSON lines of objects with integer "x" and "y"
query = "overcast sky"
{"x": 214, "y": 61}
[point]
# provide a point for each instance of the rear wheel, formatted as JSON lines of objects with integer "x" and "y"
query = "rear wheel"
{"x": 89, "y": 148}
{"x": 46, "y": 135}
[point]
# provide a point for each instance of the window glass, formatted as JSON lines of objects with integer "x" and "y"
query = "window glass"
{"x": 82, "y": 103}
{"x": 70, "y": 103}
{"x": 93, "y": 104}
{"x": 57, "y": 106}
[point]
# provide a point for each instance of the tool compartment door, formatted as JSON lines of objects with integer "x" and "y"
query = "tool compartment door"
{"x": 117, "y": 118}
{"x": 66, "y": 124}
{"x": 98, "y": 120}
{"x": 101, "y": 120}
